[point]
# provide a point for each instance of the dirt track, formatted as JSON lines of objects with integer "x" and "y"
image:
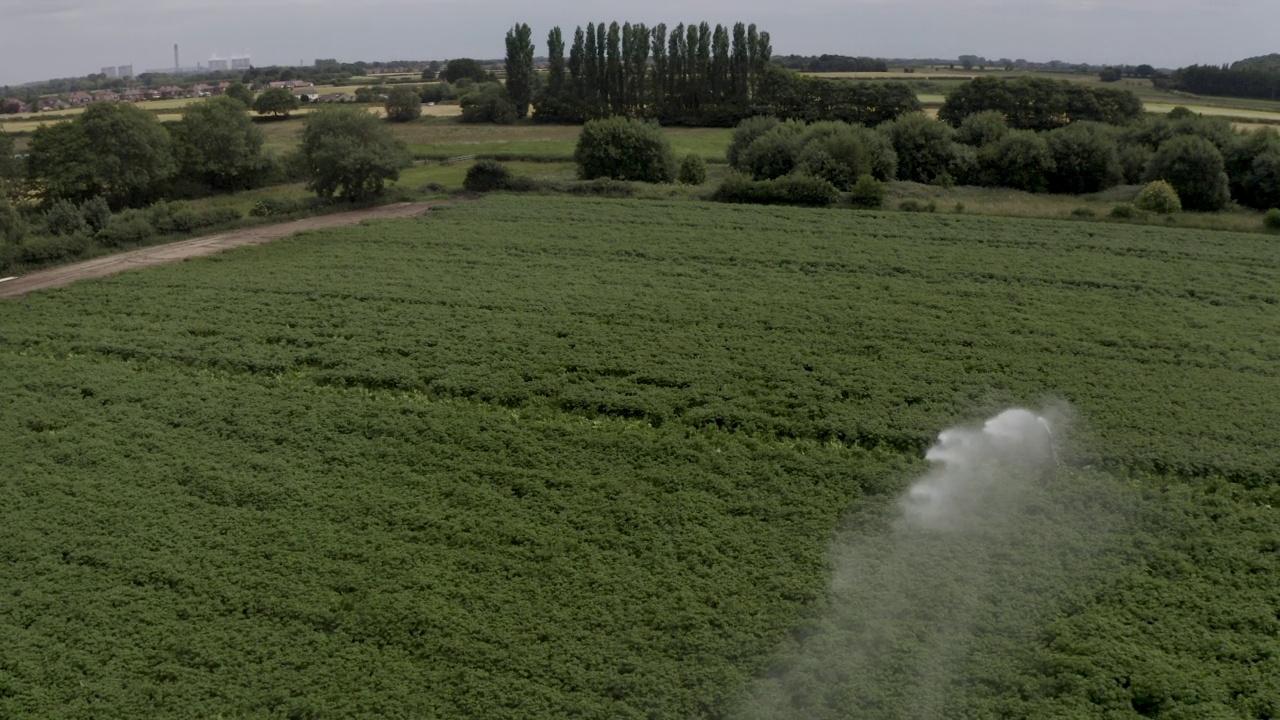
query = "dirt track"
{"x": 195, "y": 247}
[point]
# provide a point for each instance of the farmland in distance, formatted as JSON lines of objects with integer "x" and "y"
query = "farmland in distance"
{"x": 539, "y": 457}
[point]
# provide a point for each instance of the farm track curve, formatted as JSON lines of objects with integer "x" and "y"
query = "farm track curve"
{"x": 199, "y": 246}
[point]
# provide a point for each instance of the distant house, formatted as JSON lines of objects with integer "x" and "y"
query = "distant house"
{"x": 104, "y": 96}
{"x": 306, "y": 95}
{"x": 133, "y": 95}
{"x": 12, "y": 106}
{"x": 201, "y": 90}
{"x": 79, "y": 98}
{"x": 291, "y": 84}
{"x": 52, "y": 102}
{"x": 338, "y": 97}
{"x": 169, "y": 92}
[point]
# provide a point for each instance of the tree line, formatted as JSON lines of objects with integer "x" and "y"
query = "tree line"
{"x": 831, "y": 63}
{"x": 1248, "y": 82}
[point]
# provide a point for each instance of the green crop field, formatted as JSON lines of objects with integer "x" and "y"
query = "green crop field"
{"x": 532, "y": 457}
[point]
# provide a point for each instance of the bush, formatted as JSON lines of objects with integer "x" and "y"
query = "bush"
{"x": 1020, "y": 160}
{"x": 911, "y": 205}
{"x": 1126, "y": 211}
{"x": 868, "y": 193}
{"x": 403, "y": 104}
{"x": 774, "y": 153}
{"x": 488, "y": 104}
{"x": 746, "y": 133}
{"x": 923, "y": 146}
{"x": 96, "y": 213}
{"x": 786, "y": 190}
{"x": 1195, "y": 169}
{"x": 1158, "y": 197}
{"x": 127, "y": 227}
{"x": 603, "y": 187}
{"x": 64, "y": 218}
{"x": 624, "y": 148}
{"x": 1083, "y": 212}
{"x": 693, "y": 170}
{"x": 277, "y": 207}
{"x": 486, "y": 175}
{"x": 982, "y": 128}
{"x": 13, "y": 227}
{"x": 1085, "y": 159}
{"x": 41, "y": 250}
{"x": 1271, "y": 220}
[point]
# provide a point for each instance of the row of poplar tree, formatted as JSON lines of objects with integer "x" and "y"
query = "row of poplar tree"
{"x": 694, "y": 74}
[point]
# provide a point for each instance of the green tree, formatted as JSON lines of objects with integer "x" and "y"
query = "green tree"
{"x": 9, "y": 166}
{"x": 1195, "y": 169}
{"x": 488, "y": 103}
{"x": 1020, "y": 160}
{"x": 1085, "y": 158}
{"x": 115, "y": 150}
{"x": 460, "y": 68}
{"x": 276, "y": 101}
{"x": 217, "y": 144}
{"x": 519, "y": 67}
{"x": 982, "y": 128}
{"x": 403, "y": 104}
{"x": 774, "y": 153}
{"x": 923, "y": 146}
{"x": 350, "y": 153}
{"x": 241, "y": 92}
{"x": 624, "y": 149}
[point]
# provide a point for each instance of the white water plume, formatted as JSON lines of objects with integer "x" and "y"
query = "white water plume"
{"x": 972, "y": 463}
{"x": 926, "y": 590}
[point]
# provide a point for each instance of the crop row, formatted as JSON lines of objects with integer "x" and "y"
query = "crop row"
{"x": 866, "y": 329}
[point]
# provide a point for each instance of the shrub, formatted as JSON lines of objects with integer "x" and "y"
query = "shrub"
{"x": 840, "y": 159}
{"x": 603, "y": 187}
{"x": 1020, "y": 160}
{"x": 1271, "y": 220}
{"x": 1158, "y": 197}
{"x": 746, "y": 133}
{"x": 40, "y": 250}
{"x": 624, "y": 148}
{"x": 693, "y": 170}
{"x": 276, "y": 207}
{"x": 96, "y": 213}
{"x": 13, "y": 227}
{"x": 1195, "y": 169}
{"x": 982, "y": 128}
{"x": 910, "y": 205}
{"x": 64, "y": 218}
{"x": 923, "y": 146}
{"x": 786, "y": 190}
{"x": 774, "y": 153}
{"x": 868, "y": 193}
{"x": 486, "y": 175}
{"x": 403, "y": 104}
{"x": 1085, "y": 159}
{"x": 1125, "y": 211}
{"x": 127, "y": 227}
{"x": 1133, "y": 162}
{"x": 1083, "y": 212}
{"x": 488, "y": 104}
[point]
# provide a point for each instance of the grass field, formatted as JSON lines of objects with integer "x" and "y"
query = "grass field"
{"x": 549, "y": 457}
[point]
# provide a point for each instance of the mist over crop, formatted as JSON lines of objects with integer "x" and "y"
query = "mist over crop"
{"x": 959, "y": 571}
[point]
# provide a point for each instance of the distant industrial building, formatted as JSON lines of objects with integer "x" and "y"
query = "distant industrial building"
{"x": 236, "y": 62}
{"x": 118, "y": 71}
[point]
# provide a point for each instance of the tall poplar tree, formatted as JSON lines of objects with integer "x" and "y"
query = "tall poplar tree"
{"x": 519, "y": 66}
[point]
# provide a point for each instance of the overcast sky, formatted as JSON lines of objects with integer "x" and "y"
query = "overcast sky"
{"x": 60, "y": 38}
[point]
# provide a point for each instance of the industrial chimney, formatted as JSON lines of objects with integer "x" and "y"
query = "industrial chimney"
{"x": 176, "y": 65}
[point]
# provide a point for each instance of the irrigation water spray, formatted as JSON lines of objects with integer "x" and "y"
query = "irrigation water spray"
{"x": 962, "y": 563}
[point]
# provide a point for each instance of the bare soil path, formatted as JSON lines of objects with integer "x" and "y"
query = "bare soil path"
{"x": 195, "y": 247}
